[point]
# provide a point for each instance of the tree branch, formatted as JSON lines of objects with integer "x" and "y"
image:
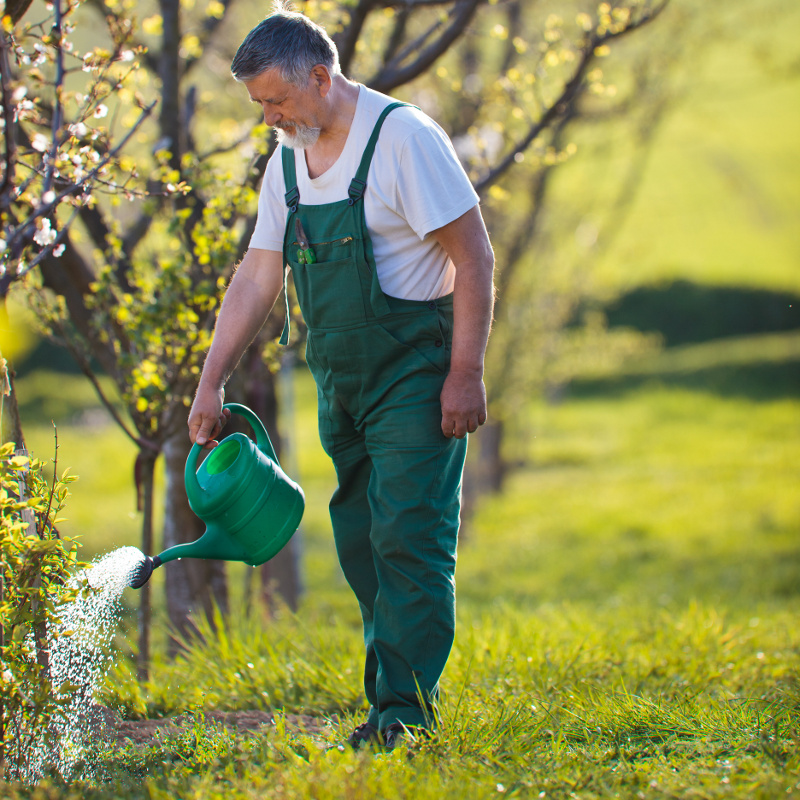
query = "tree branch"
{"x": 347, "y": 39}
{"x": 11, "y": 124}
{"x": 394, "y": 74}
{"x": 209, "y": 28}
{"x": 69, "y": 277}
{"x": 567, "y": 97}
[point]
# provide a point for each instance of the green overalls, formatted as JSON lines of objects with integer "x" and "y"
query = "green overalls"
{"x": 379, "y": 364}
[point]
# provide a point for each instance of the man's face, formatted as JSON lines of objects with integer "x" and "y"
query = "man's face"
{"x": 290, "y": 109}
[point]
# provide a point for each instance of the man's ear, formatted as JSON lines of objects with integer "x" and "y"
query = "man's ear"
{"x": 321, "y": 79}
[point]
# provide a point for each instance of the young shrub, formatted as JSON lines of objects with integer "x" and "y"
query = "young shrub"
{"x": 34, "y": 564}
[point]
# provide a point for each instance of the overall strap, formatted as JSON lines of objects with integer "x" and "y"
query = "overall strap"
{"x": 292, "y": 198}
{"x": 359, "y": 183}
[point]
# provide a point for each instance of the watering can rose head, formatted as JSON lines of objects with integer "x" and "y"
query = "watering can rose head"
{"x": 142, "y": 571}
{"x": 250, "y": 507}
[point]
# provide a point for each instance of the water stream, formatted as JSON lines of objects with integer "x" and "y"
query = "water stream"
{"x": 82, "y": 660}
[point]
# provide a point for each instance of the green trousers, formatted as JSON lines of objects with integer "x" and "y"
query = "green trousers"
{"x": 379, "y": 364}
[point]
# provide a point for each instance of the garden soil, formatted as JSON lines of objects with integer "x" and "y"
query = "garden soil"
{"x": 145, "y": 731}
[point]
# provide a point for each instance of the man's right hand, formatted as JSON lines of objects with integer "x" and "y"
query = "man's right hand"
{"x": 207, "y": 417}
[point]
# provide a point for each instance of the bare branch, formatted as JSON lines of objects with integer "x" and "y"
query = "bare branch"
{"x": 16, "y": 9}
{"x": 58, "y": 111}
{"x": 11, "y": 125}
{"x": 83, "y": 362}
{"x": 562, "y": 105}
{"x": 346, "y": 40}
{"x": 207, "y": 31}
{"x": 394, "y": 74}
{"x": 70, "y": 277}
{"x": 397, "y": 35}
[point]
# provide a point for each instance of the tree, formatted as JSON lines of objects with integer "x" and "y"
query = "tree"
{"x": 58, "y": 151}
{"x": 141, "y": 302}
{"x": 560, "y": 90}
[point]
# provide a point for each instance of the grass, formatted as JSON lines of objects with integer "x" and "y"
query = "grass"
{"x": 627, "y": 622}
{"x": 627, "y": 619}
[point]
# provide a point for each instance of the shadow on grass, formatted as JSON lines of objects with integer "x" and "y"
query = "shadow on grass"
{"x": 687, "y": 313}
{"x": 760, "y": 381}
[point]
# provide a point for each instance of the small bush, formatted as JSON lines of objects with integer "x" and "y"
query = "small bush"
{"x": 34, "y": 563}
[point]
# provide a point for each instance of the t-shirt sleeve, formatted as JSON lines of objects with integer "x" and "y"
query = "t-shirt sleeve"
{"x": 432, "y": 187}
{"x": 271, "y": 220}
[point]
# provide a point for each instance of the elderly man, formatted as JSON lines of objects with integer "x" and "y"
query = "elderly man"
{"x": 367, "y": 204}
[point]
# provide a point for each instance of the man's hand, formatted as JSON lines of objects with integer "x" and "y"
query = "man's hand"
{"x": 207, "y": 417}
{"x": 463, "y": 403}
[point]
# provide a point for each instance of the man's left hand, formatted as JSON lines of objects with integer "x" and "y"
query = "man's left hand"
{"x": 463, "y": 403}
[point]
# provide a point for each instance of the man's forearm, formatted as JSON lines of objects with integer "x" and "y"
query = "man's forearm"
{"x": 250, "y": 297}
{"x": 473, "y": 304}
{"x": 463, "y": 395}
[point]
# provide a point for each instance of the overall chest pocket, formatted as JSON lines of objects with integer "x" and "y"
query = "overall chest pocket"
{"x": 329, "y": 289}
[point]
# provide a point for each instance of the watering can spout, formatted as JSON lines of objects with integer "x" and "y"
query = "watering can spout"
{"x": 142, "y": 571}
{"x": 250, "y": 507}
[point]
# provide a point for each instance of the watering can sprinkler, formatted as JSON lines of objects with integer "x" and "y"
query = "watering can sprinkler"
{"x": 249, "y": 505}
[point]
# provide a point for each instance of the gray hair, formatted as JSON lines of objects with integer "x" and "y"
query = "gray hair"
{"x": 286, "y": 40}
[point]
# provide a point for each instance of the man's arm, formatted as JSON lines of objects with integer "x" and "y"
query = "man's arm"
{"x": 463, "y": 396}
{"x": 251, "y": 294}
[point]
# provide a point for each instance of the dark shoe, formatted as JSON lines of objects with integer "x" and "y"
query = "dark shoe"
{"x": 364, "y": 734}
{"x": 395, "y": 734}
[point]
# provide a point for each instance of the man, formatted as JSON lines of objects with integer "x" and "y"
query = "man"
{"x": 368, "y": 205}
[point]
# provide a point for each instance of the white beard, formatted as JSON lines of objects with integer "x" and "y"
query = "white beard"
{"x": 302, "y": 138}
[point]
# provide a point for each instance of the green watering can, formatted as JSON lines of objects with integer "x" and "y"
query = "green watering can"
{"x": 250, "y": 507}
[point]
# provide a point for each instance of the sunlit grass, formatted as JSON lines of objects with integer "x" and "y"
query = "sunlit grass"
{"x": 626, "y": 623}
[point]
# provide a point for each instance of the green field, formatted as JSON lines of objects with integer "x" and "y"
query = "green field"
{"x": 627, "y": 613}
{"x": 628, "y": 605}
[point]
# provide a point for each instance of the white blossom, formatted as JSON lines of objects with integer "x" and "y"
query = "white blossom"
{"x": 45, "y": 235}
{"x": 101, "y": 111}
{"x": 48, "y": 197}
{"x": 40, "y": 142}
{"x": 127, "y": 55}
{"x": 59, "y": 251}
{"x": 78, "y": 129}
{"x": 3, "y": 245}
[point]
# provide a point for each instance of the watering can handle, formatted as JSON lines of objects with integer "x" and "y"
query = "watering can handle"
{"x": 262, "y": 437}
{"x": 262, "y": 440}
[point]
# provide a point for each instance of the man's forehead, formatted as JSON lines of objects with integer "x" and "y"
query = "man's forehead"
{"x": 269, "y": 85}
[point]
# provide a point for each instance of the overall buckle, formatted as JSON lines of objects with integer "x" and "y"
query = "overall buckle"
{"x": 356, "y": 190}
{"x": 291, "y": 198}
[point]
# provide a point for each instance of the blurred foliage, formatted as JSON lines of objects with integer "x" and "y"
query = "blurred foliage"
{"x": 35, "y": 561}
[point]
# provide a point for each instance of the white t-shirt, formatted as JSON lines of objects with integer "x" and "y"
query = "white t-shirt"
{"x": 415, "y": 185}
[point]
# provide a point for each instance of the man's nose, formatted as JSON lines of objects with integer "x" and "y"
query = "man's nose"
{"x": 271, "y": 117}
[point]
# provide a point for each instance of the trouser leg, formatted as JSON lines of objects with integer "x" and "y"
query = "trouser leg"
{"x": 351, "y": 518}
{"x": 414, "y": 496}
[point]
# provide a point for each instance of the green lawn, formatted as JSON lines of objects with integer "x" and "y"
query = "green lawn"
{"x": 627, "y": 613}
{"x": 628, "y": 605}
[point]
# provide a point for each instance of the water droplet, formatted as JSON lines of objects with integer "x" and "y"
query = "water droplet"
{"x": 80, "y": 655}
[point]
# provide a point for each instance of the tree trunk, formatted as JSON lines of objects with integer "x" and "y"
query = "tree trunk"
{"x": 492, "y": 466}
{"x": 281, "y": 575}
{"x": 192, "y": 583}
{"x": 485, "y": 471}
{"x": 147, "y": 464}
{"x": 10, "y": 408}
